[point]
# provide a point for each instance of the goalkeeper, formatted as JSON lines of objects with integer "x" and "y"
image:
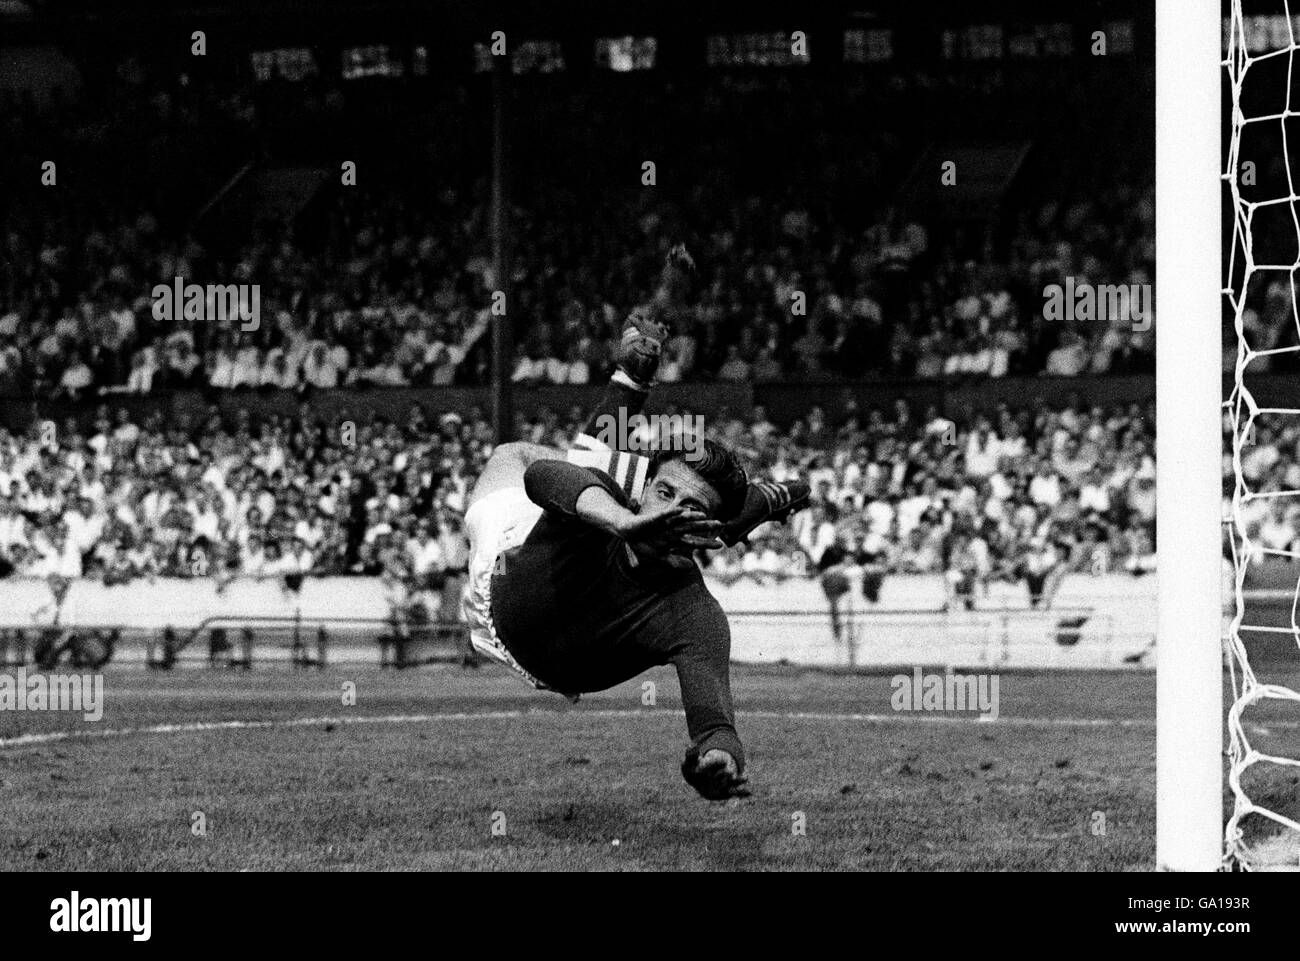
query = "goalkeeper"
{"x": 581, "y": 574}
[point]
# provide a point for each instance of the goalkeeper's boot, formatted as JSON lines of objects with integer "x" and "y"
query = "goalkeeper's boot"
{"x": 637, "y": 353}
{"x": 639, "y": 349}
{"x": 765, "y": 501}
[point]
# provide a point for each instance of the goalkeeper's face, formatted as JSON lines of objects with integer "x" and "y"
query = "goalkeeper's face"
{"x": 676, "y": 484}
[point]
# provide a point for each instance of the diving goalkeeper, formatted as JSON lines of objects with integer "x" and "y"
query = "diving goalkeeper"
{"x": 581, "y": 570}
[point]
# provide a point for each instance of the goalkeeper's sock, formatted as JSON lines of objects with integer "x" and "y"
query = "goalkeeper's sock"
{"x": 592, "y": 446}
{"x": 765, "y": 501}
{"x": 621, "y": 399}
{"x": 628, "y": 471}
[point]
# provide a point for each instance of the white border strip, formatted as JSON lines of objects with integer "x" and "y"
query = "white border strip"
{"x": 1189, "y": 660}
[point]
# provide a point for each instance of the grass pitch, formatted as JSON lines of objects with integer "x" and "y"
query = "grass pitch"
{"x": 443, "y": 768}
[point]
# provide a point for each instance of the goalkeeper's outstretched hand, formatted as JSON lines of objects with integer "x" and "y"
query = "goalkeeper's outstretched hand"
{"x": 671, "y": 530}
{"x": 715, "y": 775}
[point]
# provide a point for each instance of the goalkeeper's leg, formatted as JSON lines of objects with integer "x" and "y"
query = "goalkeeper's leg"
{"x": 625, "y": 396}
{"x": 607, "y": 451}
{"x": 637, "y": 361}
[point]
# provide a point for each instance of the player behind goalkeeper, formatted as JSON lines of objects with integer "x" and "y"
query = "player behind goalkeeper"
{"x": 581, "y": 574}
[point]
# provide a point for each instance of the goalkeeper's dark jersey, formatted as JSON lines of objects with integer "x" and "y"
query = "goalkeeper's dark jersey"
{"x": 580, "y": 614}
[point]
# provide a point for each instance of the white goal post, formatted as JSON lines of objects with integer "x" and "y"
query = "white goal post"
{"x": 1189, "y": 658}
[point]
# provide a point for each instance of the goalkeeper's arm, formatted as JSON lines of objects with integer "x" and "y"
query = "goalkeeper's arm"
{"x": 715, "y": 762}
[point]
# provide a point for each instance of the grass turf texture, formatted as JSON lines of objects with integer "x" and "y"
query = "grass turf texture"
{"x": 911, "y": 792}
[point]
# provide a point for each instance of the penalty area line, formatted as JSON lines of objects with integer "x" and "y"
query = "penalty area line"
{"x": 902, "y": 717}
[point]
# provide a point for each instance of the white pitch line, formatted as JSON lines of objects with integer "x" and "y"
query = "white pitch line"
{"x": 192, "y": 727}
{"x": 903, "y": 717}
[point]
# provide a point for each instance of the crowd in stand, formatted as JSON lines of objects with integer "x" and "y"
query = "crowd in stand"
{"x": 1011, "y": 493}
{"x": 1270, "y": 466}
{"x": 279, "y": 497}
{"x": 390, "y": 281}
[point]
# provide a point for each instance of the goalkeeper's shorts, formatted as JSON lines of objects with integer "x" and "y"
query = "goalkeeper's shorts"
{"x": 495, "y": 524}
{"x": 500, "y": 521}
{"x": 503, "y": 520}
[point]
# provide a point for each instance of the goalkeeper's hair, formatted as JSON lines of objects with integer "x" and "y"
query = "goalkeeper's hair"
{"x": 717, "y": 465}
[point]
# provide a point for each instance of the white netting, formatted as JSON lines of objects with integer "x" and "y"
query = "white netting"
{"x": 1263, "y": 636}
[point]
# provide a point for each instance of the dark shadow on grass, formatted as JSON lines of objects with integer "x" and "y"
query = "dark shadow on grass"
{"x": 662, "y": 843}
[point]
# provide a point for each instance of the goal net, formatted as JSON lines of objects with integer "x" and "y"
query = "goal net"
{"x": 1262, "y": 435}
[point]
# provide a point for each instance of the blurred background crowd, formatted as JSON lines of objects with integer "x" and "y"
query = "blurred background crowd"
{"x": 387, "y": 282}
{"x": 824, "y": 258}
{"x": 1010, "y": 493}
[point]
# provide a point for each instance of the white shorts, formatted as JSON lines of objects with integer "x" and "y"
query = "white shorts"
{"x": 495, "y": 524}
